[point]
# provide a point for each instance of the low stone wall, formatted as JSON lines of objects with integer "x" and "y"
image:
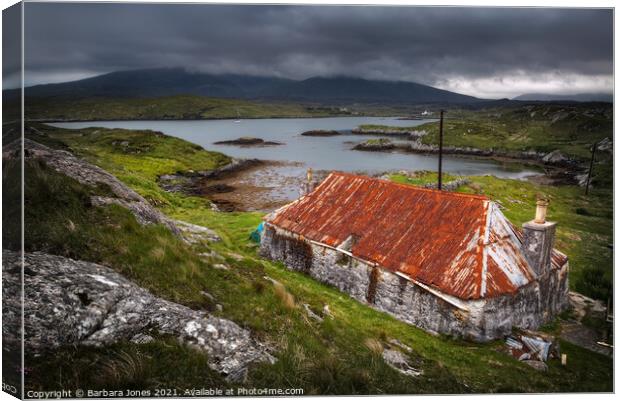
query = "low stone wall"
{"x": 478, "y": 320}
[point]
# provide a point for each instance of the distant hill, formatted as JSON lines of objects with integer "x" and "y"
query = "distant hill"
{"x": 579, "y": 97}
{"x": 176, "y": 81}
{"x": 348, "y": 89}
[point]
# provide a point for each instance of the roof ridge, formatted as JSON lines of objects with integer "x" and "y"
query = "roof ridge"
{"x": 412, "y": 187}
{"x": 486, "y": 232}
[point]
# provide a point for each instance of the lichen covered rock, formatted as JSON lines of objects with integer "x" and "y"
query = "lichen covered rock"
{"x": 69, "y": 302}
{"x": 90, "y": 175}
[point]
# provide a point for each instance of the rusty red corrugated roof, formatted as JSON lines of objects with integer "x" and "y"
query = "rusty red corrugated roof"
{"x": 460, "y": 244}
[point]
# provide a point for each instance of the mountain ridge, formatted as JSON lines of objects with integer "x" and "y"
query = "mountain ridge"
{"x": 177, "y": 81}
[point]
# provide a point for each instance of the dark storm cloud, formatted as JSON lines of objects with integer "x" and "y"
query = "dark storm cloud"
{"x": 450, "y": 47}
{"x": 11, "y": 44}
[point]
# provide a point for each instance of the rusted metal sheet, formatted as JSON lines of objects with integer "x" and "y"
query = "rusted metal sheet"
{"x": 507, "y": 268}
{"x": 460, "y": 244}
{"x": 558, "y": 259}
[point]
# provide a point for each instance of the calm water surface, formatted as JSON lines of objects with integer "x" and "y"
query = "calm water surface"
{"x": 321, "y": 153}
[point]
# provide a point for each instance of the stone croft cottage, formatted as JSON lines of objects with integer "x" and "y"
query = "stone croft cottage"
{"x": 446, "y": 262}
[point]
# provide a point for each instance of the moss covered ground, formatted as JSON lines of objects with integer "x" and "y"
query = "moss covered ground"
{"x": 188, "y": 107}
{"x": 329, "y": 357}
{"x": 540, "y": 127}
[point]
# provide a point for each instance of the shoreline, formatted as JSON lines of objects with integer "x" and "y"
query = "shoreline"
{"x": 232, "y": 118}
{"x": 565, "y": 171}
{"x": 260, "y": 185}
{"x": 232, "y": 187}
{"x": 240, "y": 186}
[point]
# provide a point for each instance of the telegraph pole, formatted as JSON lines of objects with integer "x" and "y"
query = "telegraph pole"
{"x": 591, "y": 165}
{"x": 440, "y": 149}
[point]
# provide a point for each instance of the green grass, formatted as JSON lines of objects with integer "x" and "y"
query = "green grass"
{"x": 377, "y": 127}
{"x": 377, "y": 142}
{"x": 186, "y": 107}
{"x": 542, "y": 128}
{"x": 584, "y": 237}
{"x": 421, "y": 178}
{"x": 322, "y": 358}
{"x": 164, "y": 363}
{"x": 137, "y": 157}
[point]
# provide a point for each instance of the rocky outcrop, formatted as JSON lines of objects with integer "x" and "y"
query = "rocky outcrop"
{"x": 554, "y": 158}
{"x": 249, "y": 141}
{"x": 606, "y": 145}
{"x": 410, "y": 134}
{"x": 234, "y": 166}
{"x": 320, "y": 132}
{"x": 90, "y": 175}
{"x": 189, "y": 182}
{"x": 451, "y": 185}
{"x": 419, "y": 147}
{"x": 375, "y": 145}
{"x": 195, "y": 234}
{"x": 399, "y": 361}
{"x": 69, "y": 302}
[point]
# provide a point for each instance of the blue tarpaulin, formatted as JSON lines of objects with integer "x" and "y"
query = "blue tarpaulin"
{"x": 255, "y": 236}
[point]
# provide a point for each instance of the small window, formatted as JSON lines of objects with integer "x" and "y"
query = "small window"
{"x": 343, "y": 259}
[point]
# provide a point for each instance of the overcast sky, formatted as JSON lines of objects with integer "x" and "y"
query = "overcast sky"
{"x": 483, "y": 52}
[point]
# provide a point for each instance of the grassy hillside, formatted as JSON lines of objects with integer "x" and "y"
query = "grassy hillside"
{"x": 335, "y": 356}
{"x": 543, "y": 128}
{"x": 187, "y": 107}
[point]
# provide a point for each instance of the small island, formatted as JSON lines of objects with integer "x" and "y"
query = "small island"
{"x": 371, "y": 129}
{"x": 375, "y": 145}
{"x": 248, "y": 141}
{"x": 320, "y": 132}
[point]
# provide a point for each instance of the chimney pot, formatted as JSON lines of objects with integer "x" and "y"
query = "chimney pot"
{"x": 541, "y": 211}
{"x": 308, "y": 186}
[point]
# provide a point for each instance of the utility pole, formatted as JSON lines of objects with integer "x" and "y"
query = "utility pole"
{"x": 590, "y": 170}
{"x": 440, "y": 149}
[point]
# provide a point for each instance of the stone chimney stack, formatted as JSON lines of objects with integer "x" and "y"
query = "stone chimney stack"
{"x": 538, "y": 239}
{"x": 309, "y": 185}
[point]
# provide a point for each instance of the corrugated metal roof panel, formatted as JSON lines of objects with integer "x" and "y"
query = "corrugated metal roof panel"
{"x": 458, "y": 243}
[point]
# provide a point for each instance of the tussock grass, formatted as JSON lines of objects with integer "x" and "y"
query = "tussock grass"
{"x": 375, "y": 346}
{"x": 158, "y": 254}
{"x": 284, "y": 296}
{"x": 123, "y": 368}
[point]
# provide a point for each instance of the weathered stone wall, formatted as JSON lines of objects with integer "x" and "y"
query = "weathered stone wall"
{"x": 538, "y": 239}
{"x": 412, "y": 304}
{"x": 347, "y": 274}
{"x": 479, "y": 320}
{"x": 532, "y": 306}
